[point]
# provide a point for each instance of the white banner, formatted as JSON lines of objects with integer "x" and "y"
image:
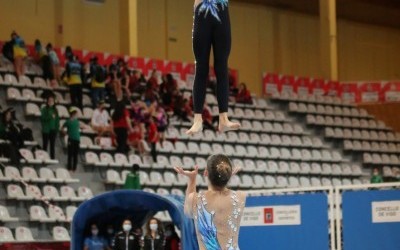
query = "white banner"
{"x": 370, "y": 97}
{"x": 392, "y": 96}
{"x": 272, "y": 216}
{"x": 385, "y": 211}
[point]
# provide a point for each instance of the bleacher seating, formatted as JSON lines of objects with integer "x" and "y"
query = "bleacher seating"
{"x": 288, "y": 141}
{"x": 359, "y": 134}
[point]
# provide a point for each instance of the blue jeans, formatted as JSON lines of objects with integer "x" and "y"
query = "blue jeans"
{"x": 97, "y": 95}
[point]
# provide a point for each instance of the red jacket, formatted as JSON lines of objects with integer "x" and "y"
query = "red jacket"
{"x": 243, "y": 96}
{"x": 152, "y": 133}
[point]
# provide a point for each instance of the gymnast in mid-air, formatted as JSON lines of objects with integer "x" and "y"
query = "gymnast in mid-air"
{"x": 211, "y": 28}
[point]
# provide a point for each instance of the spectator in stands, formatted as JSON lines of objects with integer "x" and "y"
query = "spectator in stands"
{"x": 132, "y": 180}
{"x": 168, "y": 89}
{"x": 50, "y": 125}
{"x": 142, "y": 83}
{"x": 26, "y": 133}
{"x": 95, "y": 242}
{"x": 55, "y": 61}
{"x": 98, "y": 74}
{"x": 125, "y": 83}
{"x": 72, "y": 127}
{"x": 121, "y": 124}
{"x": 150, "y": 94}
{"x": 8, "y": 50}
{"x": 134, "y": 83}
{"x": 38, "y": 52}
{"x": 153, "y": 137}
{"x": 10, "y": 131}
{"x": 68, "y": 53}
{"x": 126, "y": 239}
{"x": 122, "y": 66}
{"x": 153, "y": 80}
{"x": 172, "y": 240}
{"x": 74, "y": 73}
{"x": 138, "y": 110}
{"x": 19, "y": 53}
{"x": 161, "y": 119}
{"x": 114, "y": 81}
{"x": 217, "y": 198}
{"x": 233, "y": 89}
{"x": 182, "y": 109}
{"x": 101, "y": 120}
{"x": 136, "y": 138}
{"x": 48, "y": 70}
{"x": 243, "y": 95}
{"x": 154, "y": 238}
{"x": 376, "y": 176}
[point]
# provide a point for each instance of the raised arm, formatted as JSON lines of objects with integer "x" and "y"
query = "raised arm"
{"x": 191, "y": 187}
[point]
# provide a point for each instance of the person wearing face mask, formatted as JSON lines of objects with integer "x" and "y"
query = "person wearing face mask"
{"x": 154, "y": 238}
{"x": 376, "y": 176}
{"x": 172, "y": 240}
{"x": 95, "y": 242}
{"x": 126, "y": 239}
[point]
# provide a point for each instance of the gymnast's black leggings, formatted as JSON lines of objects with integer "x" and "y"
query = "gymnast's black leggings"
{"x": 207, "y": 32}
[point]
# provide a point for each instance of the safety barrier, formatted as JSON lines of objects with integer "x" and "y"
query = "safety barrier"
{"x": 288, "y": 219}
{"x": 368, "y": 216}
{"x": 351, "y": 217}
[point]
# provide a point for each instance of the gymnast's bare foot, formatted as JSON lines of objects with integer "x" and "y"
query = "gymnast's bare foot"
{"x": 197, "y": 125}
{"x": 225, "y": 124}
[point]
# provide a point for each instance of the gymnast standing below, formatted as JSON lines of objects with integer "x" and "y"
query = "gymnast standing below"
{"x": 211, "y": 28}
{"x": 217, "y": 212}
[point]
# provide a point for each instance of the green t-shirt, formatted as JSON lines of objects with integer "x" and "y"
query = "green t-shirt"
{"x": 132, "y": 182}
{"x": 73, "y": 129}
{"x": 376, "y": 179}
{"x": 50, "y": 119}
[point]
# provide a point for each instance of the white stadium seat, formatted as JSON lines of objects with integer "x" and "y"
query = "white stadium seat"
{"x": 60, "y": 234}
{"x": 69, "y": 193}
{"x": 44, "y": 157}
{"x": 85, "y": 192}
{"x": 15, "y": 192}
{"x": 6, "y": 235}
{"x": 30, "y": 174}
{"x": 37, "y": 213}
{"x": 32, "y": 109}
{"x": 5, "y": 215}
{"x": 33, "y": 192}
{"x": 28, "y": 157}
{"x": 51, "y": 193}
{"x": 48, "y": 175}
{"x": 56, "y": 213}
{"x": 64, "y": 175}
{"x": 70, "y": 211}
{"x": 259, "y": 181}
{"x": 23, "y": 234}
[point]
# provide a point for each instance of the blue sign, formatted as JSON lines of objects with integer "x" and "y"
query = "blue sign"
{"x": 289, "y": 222}
{"x": 369, "y": 220}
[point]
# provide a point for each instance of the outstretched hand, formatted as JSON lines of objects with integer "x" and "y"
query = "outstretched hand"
{"x": 191, "y": 174}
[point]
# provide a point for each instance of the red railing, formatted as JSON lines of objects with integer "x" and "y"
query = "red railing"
{"x": 354, "y": 92}
{"x": 35, "y": 246}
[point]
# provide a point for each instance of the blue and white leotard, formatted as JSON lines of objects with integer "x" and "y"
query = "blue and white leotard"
{"x": 207, "y": 230}
{"x": 212, "y": 7}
